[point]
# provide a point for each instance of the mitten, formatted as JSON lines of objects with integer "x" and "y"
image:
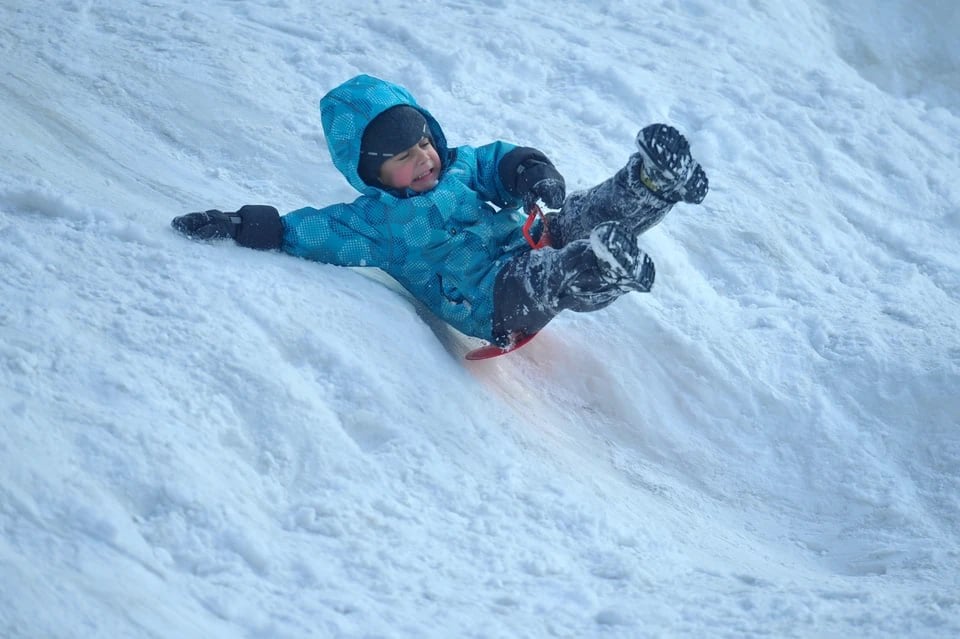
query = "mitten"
{"x": 208, "y": 225}
{"x": 528, "y": 174}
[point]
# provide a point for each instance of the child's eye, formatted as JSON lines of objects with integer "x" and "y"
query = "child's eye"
{"x": 424, "y": 143}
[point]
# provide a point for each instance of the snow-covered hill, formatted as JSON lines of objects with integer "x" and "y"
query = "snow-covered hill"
{"x": 206, "y": 441}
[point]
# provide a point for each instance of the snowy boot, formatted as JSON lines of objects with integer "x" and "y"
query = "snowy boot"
{"x": 622, "y": 262}
{"x": 665, "y": 167}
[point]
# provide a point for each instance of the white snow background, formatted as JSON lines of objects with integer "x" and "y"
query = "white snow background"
{"x": 200, "y": 440}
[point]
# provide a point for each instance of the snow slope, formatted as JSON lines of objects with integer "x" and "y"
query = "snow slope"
{"x": 206, "y": 441}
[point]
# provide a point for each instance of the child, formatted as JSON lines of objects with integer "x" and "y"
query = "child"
{"x": 425, "y": 216}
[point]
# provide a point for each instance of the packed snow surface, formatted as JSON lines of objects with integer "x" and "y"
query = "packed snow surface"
{"x": 200, "y": 440}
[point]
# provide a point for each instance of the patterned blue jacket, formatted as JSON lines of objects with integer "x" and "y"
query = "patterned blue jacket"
{"x": 445, "y": 246}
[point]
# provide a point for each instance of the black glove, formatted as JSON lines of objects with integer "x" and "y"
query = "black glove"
{"x": 254, "y": 226}
{"x": 548, "y": 185}
{"x": 527, "y": 173}
{"x": 208, "y": 225}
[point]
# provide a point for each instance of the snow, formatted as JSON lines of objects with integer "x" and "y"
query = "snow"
{"x": 206, "y": 441}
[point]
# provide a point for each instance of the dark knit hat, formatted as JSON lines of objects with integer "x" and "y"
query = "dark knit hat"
{"x": 393, "y": 131}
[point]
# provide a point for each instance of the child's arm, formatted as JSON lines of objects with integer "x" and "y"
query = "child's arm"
{"x": 484, "y": 162}
{"x": 341, "y": 234}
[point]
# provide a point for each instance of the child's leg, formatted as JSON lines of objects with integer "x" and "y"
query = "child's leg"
{"x": 536, "y": 285}
{"x": 585, "y": 275}
{"x": 661, "y": 173}
{"x": 612, "y": 200}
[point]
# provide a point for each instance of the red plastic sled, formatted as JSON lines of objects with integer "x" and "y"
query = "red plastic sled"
{"x": 492, "y": 350}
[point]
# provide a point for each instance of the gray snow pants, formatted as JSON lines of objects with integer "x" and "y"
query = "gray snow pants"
{"x": 537, "y": 284}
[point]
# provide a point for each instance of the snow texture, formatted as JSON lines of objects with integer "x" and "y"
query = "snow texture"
{"x": 200, "y": 440}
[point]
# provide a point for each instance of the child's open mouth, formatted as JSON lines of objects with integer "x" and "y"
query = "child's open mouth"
{"x": 425, "y": 178}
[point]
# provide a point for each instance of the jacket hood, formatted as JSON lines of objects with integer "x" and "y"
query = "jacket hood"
{"x": 347, "y": 110}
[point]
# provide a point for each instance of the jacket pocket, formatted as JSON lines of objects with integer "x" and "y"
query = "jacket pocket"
{"x": 450, "y": 293}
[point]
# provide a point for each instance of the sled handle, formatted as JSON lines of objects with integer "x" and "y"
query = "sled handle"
{"x": 533, "y": 212}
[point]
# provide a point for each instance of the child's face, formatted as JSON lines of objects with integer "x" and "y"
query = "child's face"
{"x": 417, "y": 168}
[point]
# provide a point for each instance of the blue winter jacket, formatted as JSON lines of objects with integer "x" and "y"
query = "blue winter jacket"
{"x": 445, "y": 246}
